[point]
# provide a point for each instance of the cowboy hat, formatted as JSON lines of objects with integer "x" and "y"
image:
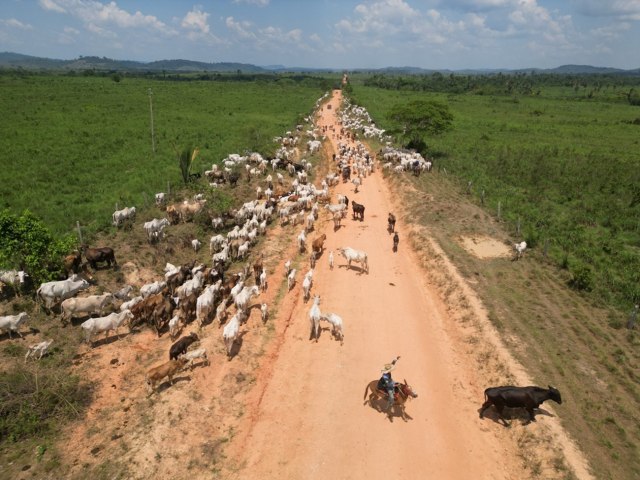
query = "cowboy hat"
{"x": 390, "y": 366}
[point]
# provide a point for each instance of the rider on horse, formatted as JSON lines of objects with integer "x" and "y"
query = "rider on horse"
{"x": 386, "y": 383}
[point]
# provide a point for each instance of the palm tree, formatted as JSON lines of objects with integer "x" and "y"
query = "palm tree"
{"x": 186, "y": 156}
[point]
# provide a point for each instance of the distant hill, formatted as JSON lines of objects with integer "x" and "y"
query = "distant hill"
{"x": 17, "y": 60}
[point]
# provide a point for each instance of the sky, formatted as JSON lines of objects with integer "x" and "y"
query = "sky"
{"x": 345, "y": 34}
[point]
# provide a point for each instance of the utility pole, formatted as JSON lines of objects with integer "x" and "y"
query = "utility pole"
{"x": 153, "y": 138}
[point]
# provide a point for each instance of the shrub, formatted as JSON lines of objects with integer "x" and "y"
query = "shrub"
{"x": 30, "y": 404}
{"x": 581, "y": 277}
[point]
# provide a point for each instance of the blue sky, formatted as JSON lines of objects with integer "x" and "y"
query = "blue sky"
{"x": 452, "y": 34}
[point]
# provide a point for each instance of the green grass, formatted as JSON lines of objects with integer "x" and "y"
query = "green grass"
{"x": 73, "y": 147}
{"x": 565, "y": 167}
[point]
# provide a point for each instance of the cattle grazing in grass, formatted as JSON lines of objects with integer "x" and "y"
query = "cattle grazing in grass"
{"x": 528, "y": 398}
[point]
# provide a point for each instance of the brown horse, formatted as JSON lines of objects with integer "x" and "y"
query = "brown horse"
{"x": 403, "y": 391}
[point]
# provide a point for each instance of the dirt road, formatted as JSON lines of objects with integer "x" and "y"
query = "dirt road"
{"x": 311, "y": 421}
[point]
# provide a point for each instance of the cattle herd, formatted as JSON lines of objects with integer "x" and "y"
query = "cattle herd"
{"x": 193, "y": 295}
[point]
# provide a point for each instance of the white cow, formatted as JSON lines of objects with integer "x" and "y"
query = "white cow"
{"x": 11, "y": 323}
{"x": 155, "y": 227}
{"x": 14, "y": 278}
{"x": 152, "y": 288}
{"x": 352, "y": 255}
{"x": 231, "y": 331}
{"x": 196, "y": 244}
{"x": 242, "y": 299}
{"x": 264, "y": 312}
{"x": 39, "y": 350}
{"x": 72, "y": 307}
{"x": 105, "y": 324}
{"x": 520, "y": 248}
{"x": 120, "y": 216}
{"x": 206, "y": 302}
{"x": 160, "y": 198}
{"x": 337, "y": 324}
{"x": 53, "y": 292}
{"x": 314, "y": 317}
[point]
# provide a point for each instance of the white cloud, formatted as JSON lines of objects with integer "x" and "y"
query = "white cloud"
{"x": 611, "y": 31}
{"x": 624, "y": 9}
{"x": 241, "y": 28}
{"x": 102, "y": 32}
{"x": 12, "y": 22}
{"x": 51, "y": 5}
{"x": 196, "y": 20}
{"x": 101, "y": 14}
{"x": 71, "y": 31}
{"x": 259, "y": 3}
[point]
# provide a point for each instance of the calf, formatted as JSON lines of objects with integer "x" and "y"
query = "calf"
{"x": 39, "y": 349}
{"x": 180, "y": 347}
{"x": 168, "y": 369}
{"x": 193, "y": 354}
{"x": 518, "y": 397}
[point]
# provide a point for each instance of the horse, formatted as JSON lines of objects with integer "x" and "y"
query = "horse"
{"x": 403, "y": 391}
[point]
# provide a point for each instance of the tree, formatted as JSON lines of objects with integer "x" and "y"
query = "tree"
{"x": 28, "y": 244}
{"x": 186, "y": 156}
{"x": 415, "y": 120}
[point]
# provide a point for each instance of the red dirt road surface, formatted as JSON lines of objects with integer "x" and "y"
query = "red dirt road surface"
{"x": 309, "y": 419}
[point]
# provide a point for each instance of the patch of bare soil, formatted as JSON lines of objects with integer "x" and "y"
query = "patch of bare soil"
{"x": 485, "y": 247}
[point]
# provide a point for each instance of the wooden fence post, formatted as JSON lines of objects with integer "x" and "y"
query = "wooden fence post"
{"x": 546, "y": 247}
{"x": 499, "y": 209}
{"x": 79, "y": 232}
{"x": 518, "y": 226}
{"x": 482, "y": 197}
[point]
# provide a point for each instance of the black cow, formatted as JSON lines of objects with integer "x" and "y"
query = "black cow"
{"x": 396, "y": 240}
{"x": 392, "y": 222}
{"x": 518, "y": 397}
{"x": 102, "y": 254}
{"x": 181, "y": 345}
{"x": 358, "y": 210}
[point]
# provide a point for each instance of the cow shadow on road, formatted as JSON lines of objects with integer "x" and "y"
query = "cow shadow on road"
{"x": 108, "y": 340}
{"x": 359, "y": 270}
{"x": 167, "y": 384}
{"x": 512, "y": 414}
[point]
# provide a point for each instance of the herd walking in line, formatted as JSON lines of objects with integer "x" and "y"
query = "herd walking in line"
{"x": 194, "y": 295}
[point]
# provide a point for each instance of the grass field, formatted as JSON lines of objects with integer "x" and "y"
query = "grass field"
{"x": 565, "y": 167}
{"x": 73, "y": 147}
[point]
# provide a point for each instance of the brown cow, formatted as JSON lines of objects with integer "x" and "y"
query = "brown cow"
{"x": 168, "y": 369}
{"x": 318, "y": 243}
{"x": 102, "y": 254}
{"x": 72, "y": 263}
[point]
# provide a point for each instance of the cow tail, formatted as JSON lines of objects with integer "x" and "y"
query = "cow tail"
{"x": 366, "y": 390}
